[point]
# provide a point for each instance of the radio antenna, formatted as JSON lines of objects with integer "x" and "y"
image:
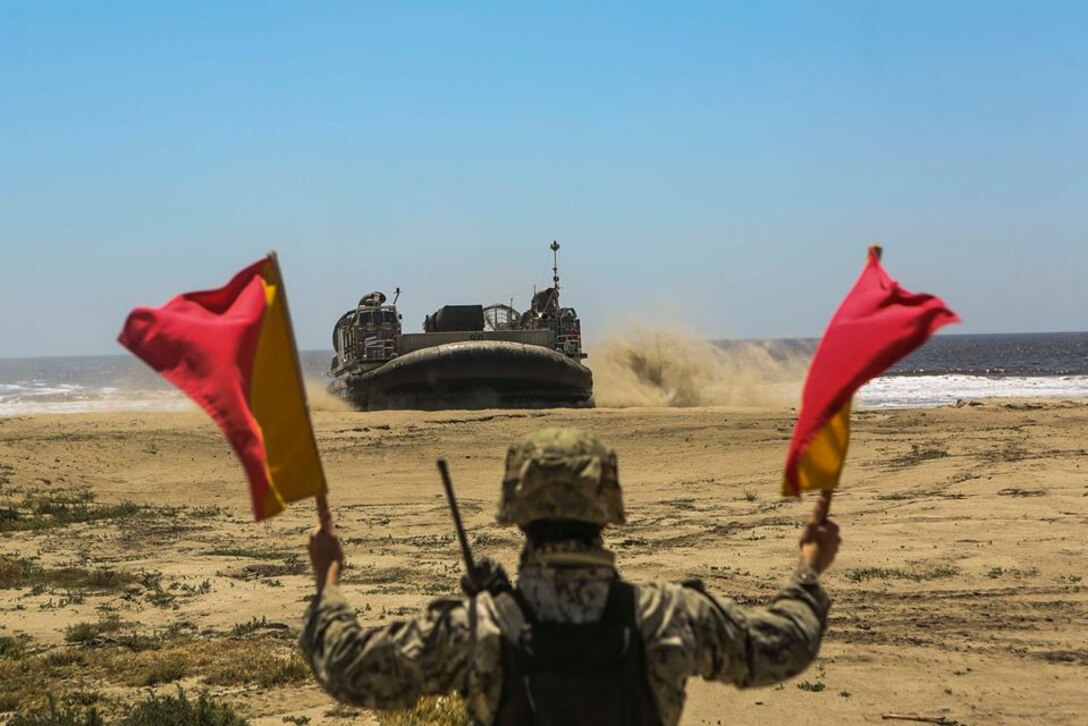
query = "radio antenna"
{"x": 555, "y": 271}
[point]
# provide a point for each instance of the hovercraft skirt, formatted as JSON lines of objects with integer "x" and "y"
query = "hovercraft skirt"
{"x": 471, "y": 374}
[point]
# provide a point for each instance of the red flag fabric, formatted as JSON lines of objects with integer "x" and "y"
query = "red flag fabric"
{"x": 876, "y": 324}
{"x": 232, "y": 351}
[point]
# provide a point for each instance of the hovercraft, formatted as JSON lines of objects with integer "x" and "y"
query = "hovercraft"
{"x": 468, "y": 356}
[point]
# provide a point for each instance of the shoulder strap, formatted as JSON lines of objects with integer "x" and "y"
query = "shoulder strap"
{"x": 620, "y": 606}
{"x": 511, "y": 614}
{"x": 526, "y": 609}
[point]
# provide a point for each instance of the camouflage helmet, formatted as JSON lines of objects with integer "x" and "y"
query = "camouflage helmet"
{"x": 561, "y": 473}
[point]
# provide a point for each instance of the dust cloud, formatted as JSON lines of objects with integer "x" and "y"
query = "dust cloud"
{"x": 664, "y": 368}
{"x": 320, "y": 399}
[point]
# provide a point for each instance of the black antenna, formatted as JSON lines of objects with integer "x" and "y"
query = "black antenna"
{"x": 555, "y": 271}
{"x": 396, "y": 296}
{"x": 462, "y": 539}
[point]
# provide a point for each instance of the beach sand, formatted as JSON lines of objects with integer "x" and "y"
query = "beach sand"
{"x": 130, "y": 557}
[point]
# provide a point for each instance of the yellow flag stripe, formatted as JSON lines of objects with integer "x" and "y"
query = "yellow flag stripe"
{"x": 822, "y": 460}
{"x": 278, "y": 402}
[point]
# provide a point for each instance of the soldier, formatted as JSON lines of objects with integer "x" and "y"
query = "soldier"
{"x": 571, "y": 642}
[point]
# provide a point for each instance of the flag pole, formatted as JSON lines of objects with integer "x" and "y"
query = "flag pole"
{"x": 825, "y": 494}
{"x": 323, "y": 514}
{"x": 875, "y": 250}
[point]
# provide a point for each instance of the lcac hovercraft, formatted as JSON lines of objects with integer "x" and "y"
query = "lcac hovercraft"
{"x": 468, "y": 356}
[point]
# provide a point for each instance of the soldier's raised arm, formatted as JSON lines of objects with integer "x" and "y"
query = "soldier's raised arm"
{"x": 770, "y": 644}
{"x": 718, "y": 639}
{"x": 382, "y": 667}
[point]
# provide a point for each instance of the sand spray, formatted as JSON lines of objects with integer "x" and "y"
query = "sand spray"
{"x": 319, "y": 398}
{"x": 648, "y": 367}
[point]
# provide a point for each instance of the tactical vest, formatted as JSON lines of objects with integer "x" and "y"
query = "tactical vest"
{"x": 566, "y": 674}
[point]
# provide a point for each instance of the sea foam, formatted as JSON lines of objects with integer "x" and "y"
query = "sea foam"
{"x": 921, "y": 391}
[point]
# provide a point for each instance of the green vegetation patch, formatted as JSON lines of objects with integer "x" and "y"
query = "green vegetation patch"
{"x": 918, "y": 453}
{"x": 180, "y": 711}
{"x": 99, "y": 653}
{"x": 60, "y": 509}
{"x": 996, "y": 572}
{"x": 170, "y": 710}
{"x": 382, "y": 575}
{"x": 81, "y": 633}
{"x": 254, "y": 624}
{"x": 13, "y": 647}
{"x": 54, "y": 715}
{"x": 251, "y": 553}
{"x": 39, "y": 511}
{"x": 24, "y": 572}
{"x": 937, "y": 572}
{"x": 438, "y": 711}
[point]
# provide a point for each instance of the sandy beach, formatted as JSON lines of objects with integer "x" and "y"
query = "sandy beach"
{"x": 129, "y": 559}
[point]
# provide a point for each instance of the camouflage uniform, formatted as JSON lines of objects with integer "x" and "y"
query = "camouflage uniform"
{"x": 686, "y": 631}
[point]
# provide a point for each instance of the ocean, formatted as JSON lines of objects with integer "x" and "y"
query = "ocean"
{"x": 948, "y": 369}
{"x": 951, "y": 368}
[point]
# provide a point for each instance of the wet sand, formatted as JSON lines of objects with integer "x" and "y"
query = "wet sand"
{"x": 960, "y": 590}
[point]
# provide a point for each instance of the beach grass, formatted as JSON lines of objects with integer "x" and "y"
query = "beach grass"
{"x": 936, "y": 572}
{"x": 100, "y": 653}
{"x": 19, "y": 572}
{"x": 154, "y": 710}
{"x": 437, "y": 711}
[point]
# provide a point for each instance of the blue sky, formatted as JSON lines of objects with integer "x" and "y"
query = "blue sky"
{"x": 719, "y": 166}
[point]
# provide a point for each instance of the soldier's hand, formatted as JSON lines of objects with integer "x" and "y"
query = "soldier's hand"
{"x": 326, "y": 555}
{"x": 488, "y": 576}
{"x": 820, "y": 540}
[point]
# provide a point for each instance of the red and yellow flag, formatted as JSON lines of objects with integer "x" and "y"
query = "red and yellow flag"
{"x": 876, "y": 324}
{"x": 232, "y": 351}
